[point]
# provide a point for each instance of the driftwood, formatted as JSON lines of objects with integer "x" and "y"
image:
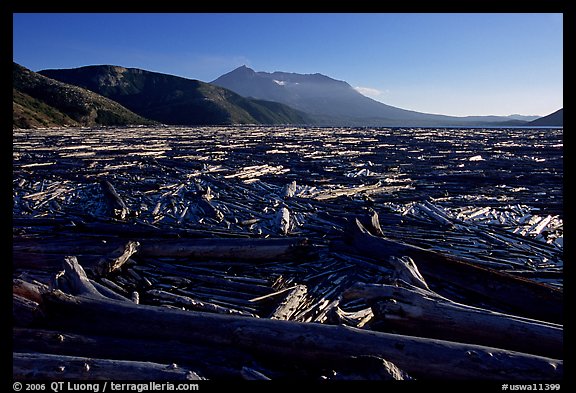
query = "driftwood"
{"x": 59, "y": 367}
{"x": 224, "y": 183}
{"x": 116, "y": 259}
{"x": 29, "y": 290}
{"x": 235, "y": 249}
{"x": 250, "y": 374}
{"x": 25, "y": 312}
{"x": 521, "y": 296}
{"x": 194, "y": 304}
{"x": 114, "y": 203}
{"x": 210, "y": 361}
{"x": 425, "y": 314}
{"x": 109, "y": 293}
{"x": 406, "y": 270}
{"x": 76, "y": 280}
{"x": 290, "y": 304}
{"x": 294, "y": 340}
{"x": 369, "y": 368}
{"x": 253, "y": 249}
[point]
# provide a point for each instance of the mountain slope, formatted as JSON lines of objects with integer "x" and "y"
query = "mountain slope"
{"x": 39, "y": 101}
{"x": 175, "y": 100}
{"x": 28, "y": 112}
{"x": 555, "y": 119}
{"x": 334, "y": 102}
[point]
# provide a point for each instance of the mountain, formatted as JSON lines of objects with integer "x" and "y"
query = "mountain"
{"x": 555, "y": 119}
{"x": 38, "y": 101}
{"x": 522, "y": 117}
{"x": 334, "y": 102}
{"x": 174, "y": 100}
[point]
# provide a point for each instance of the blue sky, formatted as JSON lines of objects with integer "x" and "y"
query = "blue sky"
{"x": 453, "y": 64}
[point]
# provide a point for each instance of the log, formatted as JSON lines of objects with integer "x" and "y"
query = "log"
{"x": 290, "y": 304}
{"x": 28, "y": 366}
{"x": 271, "y": 295}
{"x": 42, "y": 261}
{"x": 109, "y": 293}
{"x": 250, "y": 374}
{"x": 282, "y": 221}
{"x": 331, "y": 194}
{"x": 255, "y": 249}
{"x": 289, "y": 190}
{"x": 210, "y": 361}
{"x": 70, "y": 245}
{"x": 406, "y": 270}
{"x": 113, "y": 286}
{"x": 520, "y": 296}
{"x": 30, "y": 291}
{"x": 25, "y": 312}
{"x": 249, "y": 249}
{"x": 116, "y": 207}
{"x": 116, "y": 259}
{"x": 368, "y": 368}
{"x": 195, "y": 304}
{"x": 75, "y": 278}
{"x": 420, "y": 357}
{"x": 424, "y": 314}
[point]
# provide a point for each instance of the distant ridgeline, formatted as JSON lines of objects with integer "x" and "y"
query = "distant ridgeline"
{"x": 336, "y": 103}
{"x": 113, "y": 95}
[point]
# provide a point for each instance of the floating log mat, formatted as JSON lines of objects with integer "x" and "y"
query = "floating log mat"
{"x": 287, "y": 253}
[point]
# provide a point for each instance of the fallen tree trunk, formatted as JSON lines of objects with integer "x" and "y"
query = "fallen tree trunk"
{"x": 421, "y": 313}
{"x": 195, "y": 304}
{"x": 251, "y": 249}
{"x": 75, "y": 278}
{"x": 290, "y": 304}
{"x": 405, "y": 269}
{"x": 115, "y": 205}
{"x": 59, "y": 367}
{"x": 210, "y": 361}
{"x": 520, "y": 296}
{"x": 28, "y": 290}
{"x": 254, "y": 249}
{"x": 116, "y": 259}
{"x": 421, "y": 357}
{"x": 25, "y": 312}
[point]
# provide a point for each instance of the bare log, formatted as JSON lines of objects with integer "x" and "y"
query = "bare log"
{"x": 425, "y": 314}
{"x": 290, "y": 304}
{"x": 405, "y": 269}
{"x": 59, "y": 367}
{"x": 109, "y": 293}
{"x": 76, "y": 279}
{"x": 29, "y": 290}
{"x": 330, "y": 194}
{"x": 523, "y": 297}
{"x": 421, "y": 357}
{"x": 366, "y": 368}
{"x": 195, "y": 304}
{"x": 289, "y": 190}
{"x": 25, "y": 312}
{"x": 250, "y": 249}
{"x": 250, "y": 374}
{"x": 210, "y": 361}
{"x": 114, "y": 203}
{"x": 271, "y": 295}
{"x": 254, "y": 249}
{"x": 69, "y": 245}
{"x": 116, "y": 259}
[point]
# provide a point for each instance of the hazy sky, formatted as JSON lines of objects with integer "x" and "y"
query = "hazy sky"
{"x": 453, "y": 64}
